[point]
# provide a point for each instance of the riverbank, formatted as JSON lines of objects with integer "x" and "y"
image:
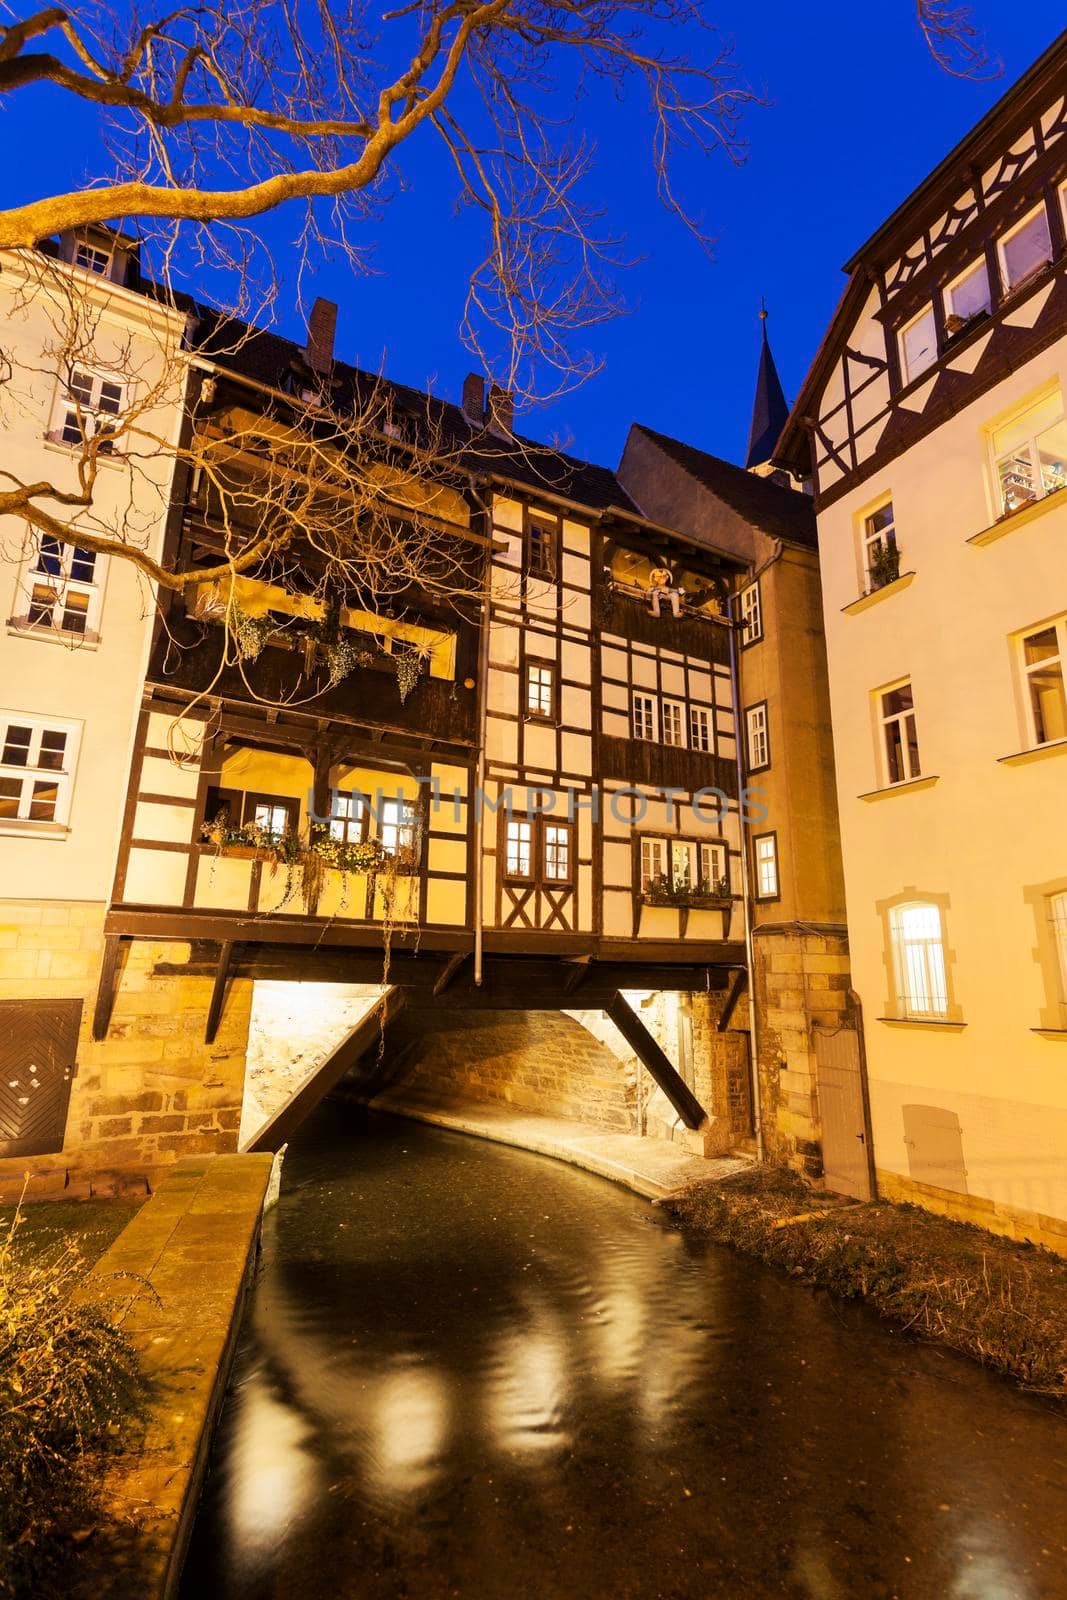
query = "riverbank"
{"x": 1002, "y": 1303}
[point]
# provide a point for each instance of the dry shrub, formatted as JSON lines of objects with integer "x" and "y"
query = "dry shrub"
{"x": 69, "y": 1381}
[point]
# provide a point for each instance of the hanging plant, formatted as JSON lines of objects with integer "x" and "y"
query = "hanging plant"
{"x": 407, "y": 667}
{"x": 342, "y": 658}
{"x": 251, "y": 633}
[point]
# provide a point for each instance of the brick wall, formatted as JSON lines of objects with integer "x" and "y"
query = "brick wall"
{"x": 801, "y": 978}
{"x": 150, "y": 1092}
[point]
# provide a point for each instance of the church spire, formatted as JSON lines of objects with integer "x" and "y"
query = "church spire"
{"x": 769, "y": 410}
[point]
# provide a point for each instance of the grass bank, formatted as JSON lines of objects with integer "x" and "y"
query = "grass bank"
{"x": 1002, "y": 1303}
{"x": 70, "y": 1388}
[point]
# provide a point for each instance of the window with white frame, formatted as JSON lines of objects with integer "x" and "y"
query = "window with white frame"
{"x": 348, "y": 817}
{"x": 1030, "y": 453}
{"x": 398, "y": 827}
{"x": 881, "y": 556}
{"x": 86, "y": 407}
{"x": 697, "y": 866}
{"x": 699, "y": 728}
{"x": 273, "y": 816}
{"x": 653, "y": 862}
{"x": 759, "y": 740}
{"x": 1057, "y": 911}
{"x": 919, "y": 960}
{"x": 92, "y": 258}
{"x": 644, "y": 716}
{"x": 542, "y": 544}
{"x": 899, "y": 734}
{"x": 918, "y": 345}
{"x": 518, "y": 842}
{"x": 1026, "y": 249}
{"x": 60, "y": 589}
{"x": 36, "y": 768}
{"x": 673, "y": 716}
{"x": 1044, "y": 653}
{"x": 540, "y": 689}
{"x": 557, "y": 852}
{"x": 967, "y": 297}
{"x": 751, "y": 614}
{"x": 765, "y": 856}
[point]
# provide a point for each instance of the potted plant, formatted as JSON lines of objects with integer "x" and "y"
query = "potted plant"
{"x": 885, "y": 565}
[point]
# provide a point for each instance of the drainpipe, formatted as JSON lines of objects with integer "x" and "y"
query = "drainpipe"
{"x": 746, "y": 886}
{"x": 479, "y": 781}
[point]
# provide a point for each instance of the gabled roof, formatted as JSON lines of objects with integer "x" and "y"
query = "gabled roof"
{"x": 769, "y": 410}
{"x": 777, "y": 511}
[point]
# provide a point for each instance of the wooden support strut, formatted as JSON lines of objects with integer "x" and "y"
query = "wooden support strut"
{"x": 737, "y": 989}
{"x": 105, "y": 990}
{"x": 228, "y": 951}
{"x": 671, "y": 1082}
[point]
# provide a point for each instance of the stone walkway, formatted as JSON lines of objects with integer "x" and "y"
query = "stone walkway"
{"x": 176, "y": 1279}
{"x": 651, "y": 1167}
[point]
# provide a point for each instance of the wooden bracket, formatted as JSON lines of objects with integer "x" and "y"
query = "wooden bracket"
{"x": 737, "y": 989}
{"x": 648, "y": 1051}
{"x": 578, "y": 973}
{"x": 448, "y": 972}
{"x": 227, "y": 951}
{"x": 105, "y": 990}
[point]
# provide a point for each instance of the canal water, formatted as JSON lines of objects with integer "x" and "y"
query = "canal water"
{"x": 471, "y": 1372}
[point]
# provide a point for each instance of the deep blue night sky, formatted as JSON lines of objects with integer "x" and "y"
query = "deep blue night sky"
{"x": 859, "y": 114}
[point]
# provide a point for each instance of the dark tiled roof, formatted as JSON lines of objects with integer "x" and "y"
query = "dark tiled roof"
{"x": 267, "y": 358}
{"x": 780, "y": 512}
{"x": 769, "y": 411}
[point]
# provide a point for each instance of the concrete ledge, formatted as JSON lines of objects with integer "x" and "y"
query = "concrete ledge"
{"x": 652, "y": 1168}
{"x": 194, "y": 1244}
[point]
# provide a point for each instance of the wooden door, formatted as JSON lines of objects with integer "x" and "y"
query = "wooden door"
{"x": 38, "y": 1044}
{"x": 844, "y": 1134}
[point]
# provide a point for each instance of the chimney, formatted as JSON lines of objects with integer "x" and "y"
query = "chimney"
{"x": 322, "y": 325}
{"x": 501, "y": 410}
{"x": 474, "y": 399}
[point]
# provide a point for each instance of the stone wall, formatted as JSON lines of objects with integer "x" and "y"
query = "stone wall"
{"x": 152, "y": 1091}
{"x": 292, "y": 1029}
{"x": 801, "y": 978}
{"x": 532, "y": 1060}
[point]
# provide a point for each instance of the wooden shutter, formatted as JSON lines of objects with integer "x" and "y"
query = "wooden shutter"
{"x": 38, "y": 1044}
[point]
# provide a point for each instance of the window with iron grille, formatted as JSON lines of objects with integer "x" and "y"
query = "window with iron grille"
{"x": 60, "y": 590}
{"x": 36, "y": 768}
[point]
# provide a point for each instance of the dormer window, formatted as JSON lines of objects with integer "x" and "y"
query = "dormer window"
{"x": 93, "y": 258}
{"x": 1026, "y": 249}
{"x": 918, "y": 345}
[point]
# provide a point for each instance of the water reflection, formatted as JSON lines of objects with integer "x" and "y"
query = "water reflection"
{"x": 468, "y": 1372}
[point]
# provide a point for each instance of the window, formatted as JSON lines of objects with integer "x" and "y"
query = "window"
{"x": 919, "y": 960}
{"x": 519, "y": 838}
{"x": 271, "y": 815}
{"x": 881, "y": 556}
{"x": 918, "y": 345}
{"x": 653, "y": 862}
{"x": 901, "y": 739}
{"x": 398, "y": 828}
{"x": 673, "y": 723}
{"x": 1030, "y": 454}
{"x": 967, "y": 298}
{"x": 759, "y": 742}
{"x": 86, "y": 403}
{"x": 1057, "y": 910}
{"x": 542, "y": 541}
{"x": 644, "y": 716}
{"x": 60, "y": 590}
{"x": 1026, "y": 249}
{"x": 765, "y": 851}
{"x": 1044, "y": 654}
{"x": 348, "y": 817}
{"x": 92, "y": 258}
{"x": 751, "y": 615}
{"x": 699, "y": 728}
{"x": 540, "y": 689}
{"x": 233, "y": 809}
{"x": 557, "y": 853}
{"x": 36, "y": 769}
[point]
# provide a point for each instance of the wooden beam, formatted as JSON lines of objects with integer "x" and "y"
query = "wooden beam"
{"x": 578, "y": 974}
{"x": 105, "y": 989}
{"x": 448, "y": 972}
{"x": 671, "y": 1082}
{"x": 218, "y": 989}
{"x": 737, "y": 989}
{"x": 284, "y": 1123}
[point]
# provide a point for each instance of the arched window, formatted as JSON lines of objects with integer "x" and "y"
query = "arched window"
{"x": 919, "y": 959}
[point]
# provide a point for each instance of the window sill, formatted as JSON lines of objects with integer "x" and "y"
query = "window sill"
{"x": 71, "y": 641}
{"x": 874, "y": 595}
{"x": 34, "y": 830}
{"x": 1037, "y": 752}
{"x": 1051, "y": 1033}
{"x": 109, "y": 458}
{"x": 1022, "y": 514}
{"x": 899, "y": 788}
{"x": 924, "y": 1022}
